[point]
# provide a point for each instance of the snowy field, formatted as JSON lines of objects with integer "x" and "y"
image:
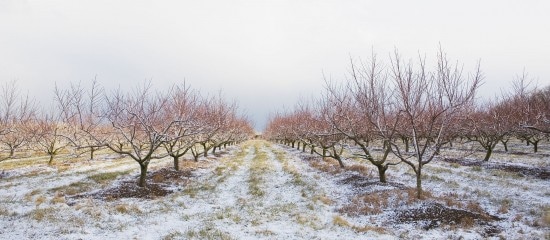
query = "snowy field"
{"x": 261, "y": 190}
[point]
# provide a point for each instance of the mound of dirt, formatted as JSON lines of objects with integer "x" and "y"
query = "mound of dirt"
{"x": 159, "y": 183}
{"x": 130, "y": 189}
{"x": 536, "y": 172}
{"x": 359, "y": 181}
{"x": 169, "y": 175}
{"x": 433, "y": 215}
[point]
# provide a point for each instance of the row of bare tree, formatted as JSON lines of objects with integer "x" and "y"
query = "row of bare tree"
{"x": 408, "y": 110}
{"x": 143, "y": 124}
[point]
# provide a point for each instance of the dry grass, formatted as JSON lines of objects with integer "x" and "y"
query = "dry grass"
{"x": 127, "y": 209}
{"x": 43, "y": 214}
{"x": 342, "y": 222}
{"x": 74, "y": 188}
{"x": 375, "y": 203}
{"x": 323, "y": 199}
{"x": 328, "y": 165}
{"x": 39, "y": 200}
{"x": 545, "y": 219}
{"x": 474, "y": 207}
{"x": 258, "y": 168}
{"x": 504, "y": 206}
{"x": 361, "y": 169}
{"x": 59, "y": 197}
{"x": 467, "y": 222}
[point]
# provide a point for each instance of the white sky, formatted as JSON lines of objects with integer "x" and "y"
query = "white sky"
{"x": 264, "y": 54}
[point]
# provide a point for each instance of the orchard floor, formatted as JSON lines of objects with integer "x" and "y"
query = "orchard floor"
{"x": 262, "y": 190}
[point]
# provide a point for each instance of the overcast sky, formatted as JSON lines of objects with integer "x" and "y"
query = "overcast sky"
{"x": 264, "y": 54}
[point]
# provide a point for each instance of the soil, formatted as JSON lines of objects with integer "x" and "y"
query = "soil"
{"x": 433, "y": 215}
{"x": 540, "y": 173}
{"x": 159, "y": 183}
{"x": 359, "y": 181}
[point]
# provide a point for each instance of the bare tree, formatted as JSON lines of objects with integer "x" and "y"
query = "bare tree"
{"x": 80, "y": 111}
{"x": 16, "y": 116}
{"x": 362, "y": 111}
{"x": 488, "y": 125}
{"x": 139, "y": 125}
{"x": 183, "y": 107}
{"x": 427, "y": 103}
{"x": 48, "y": 138}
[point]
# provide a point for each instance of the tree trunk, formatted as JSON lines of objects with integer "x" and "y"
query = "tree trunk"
{"x": 406, "y": 144}
{"x": 339, "y": 159}
{"x": 324, "y": 152}
{"x": 92, "y": 151}
{"x": 382, "y": 172}
{"x": 142, "y": 175}
{"x": 214, "y": 150}
{"x": 505, "y": 143}
{"x": 536, "y": 146}
{"x": 176, "y": 163}
{"x": 12, "y": 152}
{"x": 196, "y": 157}
{"x": 419, "y": 183}
{"x": 50, "y": 162}
{"x": 488, "y": 154}
{"x": 298, "y": 146}
{"x": 292, "y": 144}
{"x": 304, "y": 147}
{"x": 312, "y": 149}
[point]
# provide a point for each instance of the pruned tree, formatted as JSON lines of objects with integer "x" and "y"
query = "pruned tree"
{"x": 362, "y": 111}
{"x": 427, "y": 103}
{"x": 17, "y": 113}
{"x": 139, "y": 125}
{"x": 183, "y": 107}
{"x": 48, "y": 135}
{"x": 80, "y": 111}
{"x": 488, "y": 125}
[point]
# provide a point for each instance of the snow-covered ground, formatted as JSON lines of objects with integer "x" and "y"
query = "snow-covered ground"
{"x": 260, "y": 190}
